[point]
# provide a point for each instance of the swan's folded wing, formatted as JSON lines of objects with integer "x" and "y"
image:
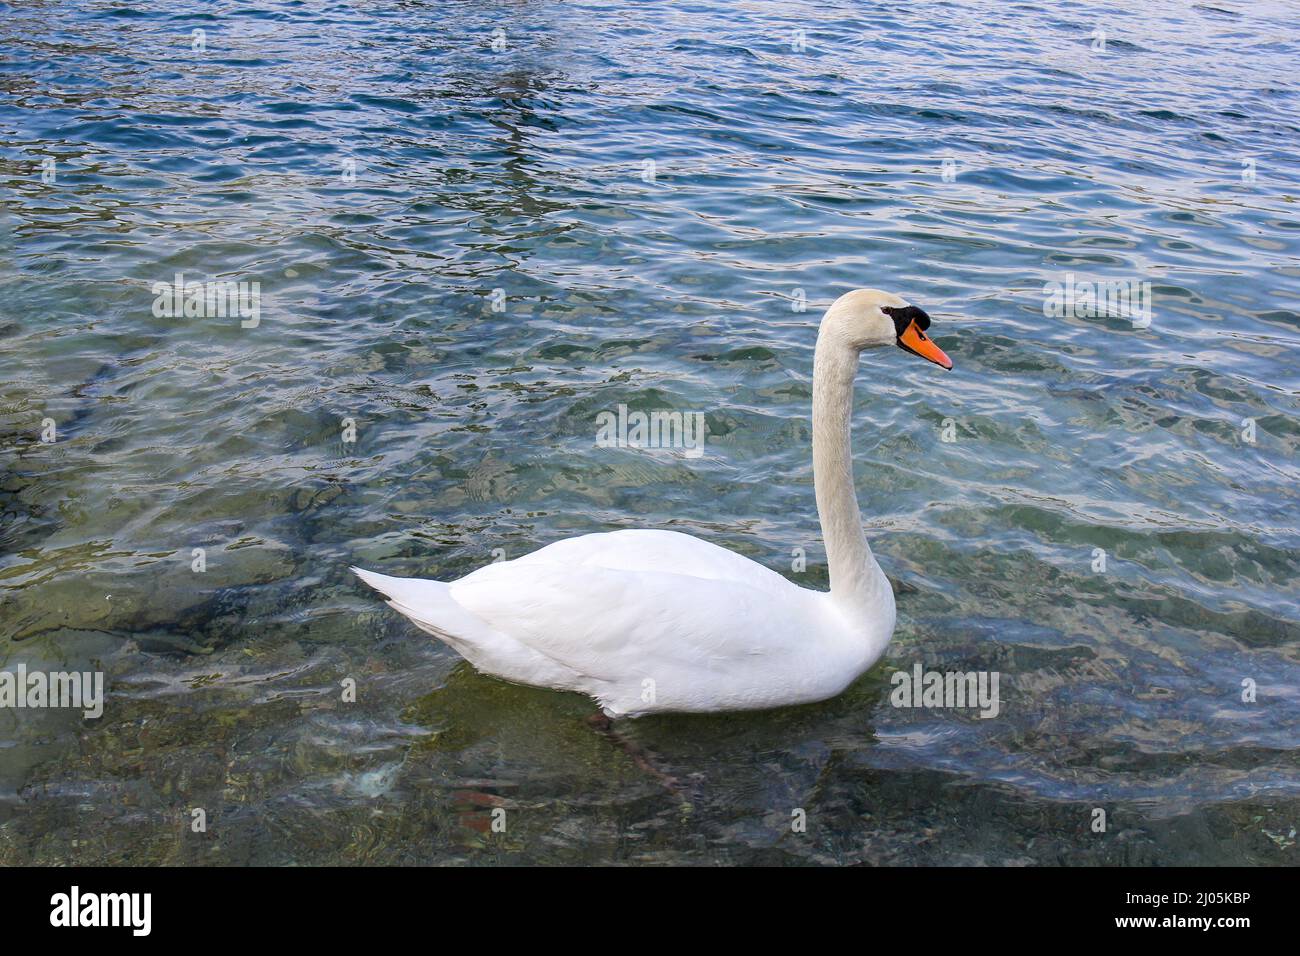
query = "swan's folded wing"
{"x": 692, "y": 638}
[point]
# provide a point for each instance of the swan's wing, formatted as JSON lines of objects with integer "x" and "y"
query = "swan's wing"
{"x": 649, "y": 550}
{"x": 694, "y": 643}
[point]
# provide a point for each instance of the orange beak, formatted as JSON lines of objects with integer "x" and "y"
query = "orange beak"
{"x": 915, "y": 341}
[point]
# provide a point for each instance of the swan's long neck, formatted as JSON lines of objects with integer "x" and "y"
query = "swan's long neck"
{"x": 856, "y": 579}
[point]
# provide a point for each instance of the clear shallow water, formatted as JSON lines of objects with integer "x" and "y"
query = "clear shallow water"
{"x": 521, "y": 170}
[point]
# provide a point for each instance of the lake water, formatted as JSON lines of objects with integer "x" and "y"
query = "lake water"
{"x": 476, "y": 226}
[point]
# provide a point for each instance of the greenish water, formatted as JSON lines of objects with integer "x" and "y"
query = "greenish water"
{"x": 524, "y": 170}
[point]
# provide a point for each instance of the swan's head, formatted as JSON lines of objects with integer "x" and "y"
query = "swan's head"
{"x": 869, "y": 318}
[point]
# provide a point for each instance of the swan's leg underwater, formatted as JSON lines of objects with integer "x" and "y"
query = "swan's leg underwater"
{"x": 603, "y": 725}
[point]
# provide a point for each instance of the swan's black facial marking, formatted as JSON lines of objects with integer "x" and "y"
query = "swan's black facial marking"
{"x": 903, "y": 316}
{"x": 910, "y": 324}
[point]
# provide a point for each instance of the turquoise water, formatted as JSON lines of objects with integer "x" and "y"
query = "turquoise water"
{"x": 380, "y": 170}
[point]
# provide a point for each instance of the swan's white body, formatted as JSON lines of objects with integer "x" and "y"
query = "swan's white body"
{"x": 647, "y": 621}
{"x": 655, "y": 621}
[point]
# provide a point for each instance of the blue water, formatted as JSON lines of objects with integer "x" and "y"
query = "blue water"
{"x": 656, "y": 190}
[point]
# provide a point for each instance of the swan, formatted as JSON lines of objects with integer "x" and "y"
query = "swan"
{"x": 652, "y": 621}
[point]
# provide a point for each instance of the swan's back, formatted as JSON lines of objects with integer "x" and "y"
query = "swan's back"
{"x": 636, "y": 549}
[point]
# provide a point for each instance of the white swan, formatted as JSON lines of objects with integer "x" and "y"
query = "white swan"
{"x": 656, "y": 621}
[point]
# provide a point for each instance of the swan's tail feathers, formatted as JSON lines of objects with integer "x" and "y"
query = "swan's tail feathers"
{"x": 430, "y": 605}
{"x": 401, "y": 590}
